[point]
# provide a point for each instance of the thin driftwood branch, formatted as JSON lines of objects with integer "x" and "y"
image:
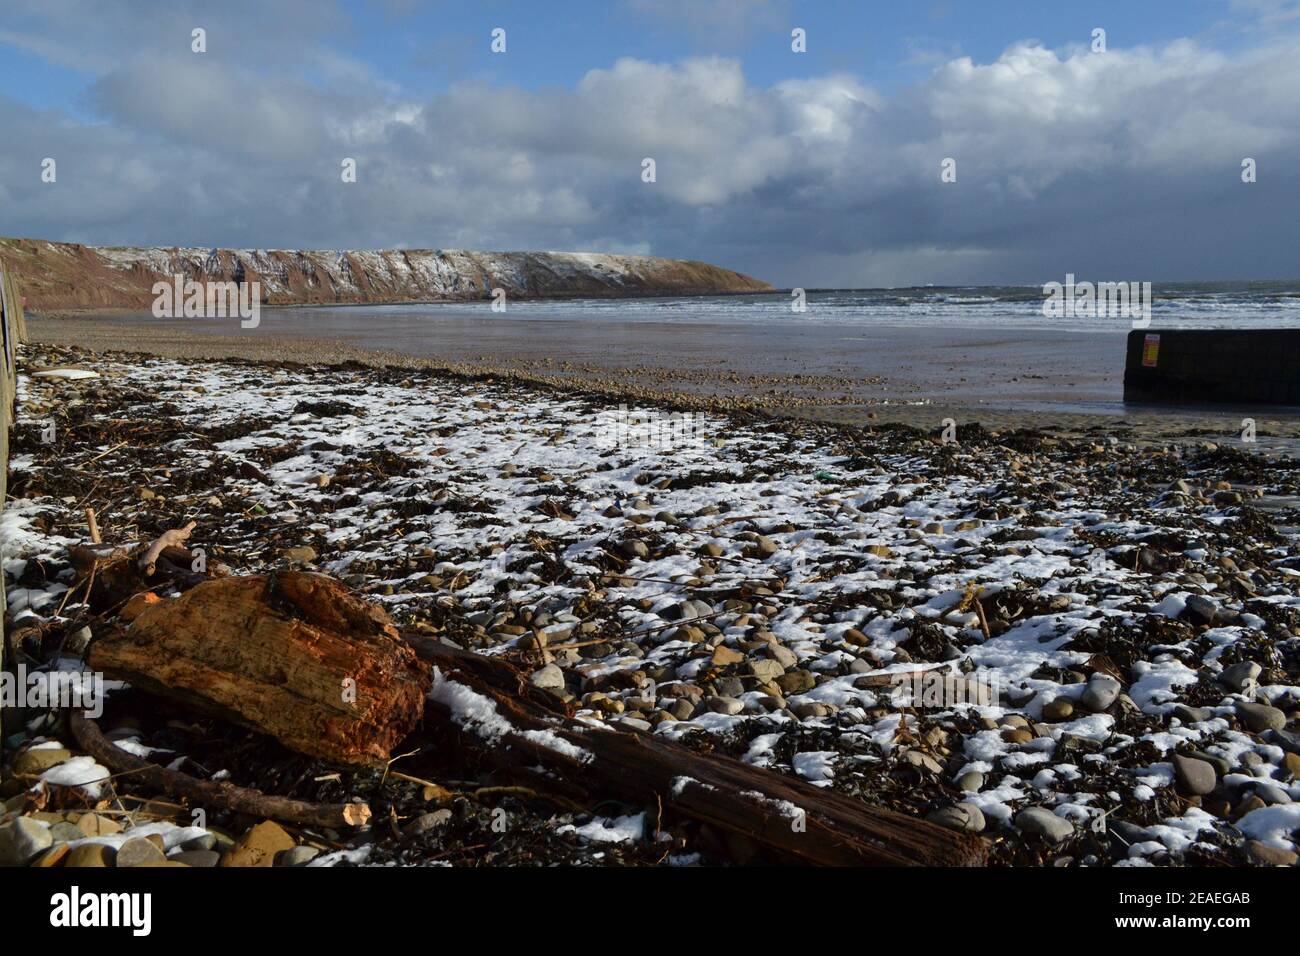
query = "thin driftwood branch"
{"x": 217, "y": 794}
{"x": 168, "y": 539}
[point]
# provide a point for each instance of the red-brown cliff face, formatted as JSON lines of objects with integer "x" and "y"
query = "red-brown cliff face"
{"x": 56, "y": 276}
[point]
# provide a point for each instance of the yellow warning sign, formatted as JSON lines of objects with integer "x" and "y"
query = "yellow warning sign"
{"x": 1150, "y": 351}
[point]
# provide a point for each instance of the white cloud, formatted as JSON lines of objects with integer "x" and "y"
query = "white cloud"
{"x": 1123, "y": 162}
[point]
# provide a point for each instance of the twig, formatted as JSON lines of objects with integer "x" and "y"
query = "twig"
{"x": 216, "y": 794}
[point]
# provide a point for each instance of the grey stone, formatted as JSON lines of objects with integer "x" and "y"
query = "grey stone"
{"x": 633, "y": 548}
{"x": 1222, "y": 766}
{"x": 207, "y": 841}
{"x": 65, "y": 832}
{"x": 549, "y": 677}
{"x": 1038, "y": 821}
{"x": 965, "y": 817}
{"x": 1288, "y": 741}
{"x": 1272, "y": 794}
{"x": 302, "y": 855}
{"x": 1241, "y": 676}
{"x": 1194, "y": 776}
{"x": 1100, "y": 693}
{"x": 1129, "y": 832}
{"x": 1191, "y": 715}
{"x": 1201, "y": 610}
{"x": 724, "y": 705}
{"x": 1261, "y": 717}
{"x": 796, "y": 682}
{"x": 810, "y": 709}
{"x": 971, "y": 782}
{"x": 21, "y": 840}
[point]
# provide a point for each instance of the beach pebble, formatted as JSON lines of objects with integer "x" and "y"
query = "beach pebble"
{"x": 1261, "y": 717}
{"x": 766, "y": 670}
{"x": 1061, "y": 708}
{"x": 1038, "y": 821}
{"x": 90, "y": 855}
{"x": 1101, "y": 692}
{"x": 38, "y": 760}
{"x": 1201, "y": 610}
{"x": 965, "y": 817}
{"x": 1241, "y": 676}
{"x": 723, "y": 705}
{"x": 1190, "y": 715}
{"x": 549, "y": 678}
{"x": 258, "y": 846}
{"x": 796, "y": 682}
{"x": 21, "y": 839}
{"x": 971, "y": 782}
{"x": 1194, "y": 776}
{"x": 1288, "y": 741}
{"x": 139, "y": 852}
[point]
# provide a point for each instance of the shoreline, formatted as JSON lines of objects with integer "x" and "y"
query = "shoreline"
{"x": 680, "y": 380}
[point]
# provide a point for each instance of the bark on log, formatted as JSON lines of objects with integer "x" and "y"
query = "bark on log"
{"x": 210, "y": 793}
{"x": 788, "y": 817}
{"x": 293, "y": 655}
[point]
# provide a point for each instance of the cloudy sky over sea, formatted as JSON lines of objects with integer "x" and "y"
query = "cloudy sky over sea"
{"x": 820, "y": 168}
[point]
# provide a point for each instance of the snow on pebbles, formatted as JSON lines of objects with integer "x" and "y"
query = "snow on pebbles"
{"x": 1108, "y": 632}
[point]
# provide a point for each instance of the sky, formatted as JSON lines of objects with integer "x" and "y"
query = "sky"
{"x": 1113, "y": 161}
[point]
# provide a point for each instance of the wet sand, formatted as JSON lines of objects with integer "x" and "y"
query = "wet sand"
{"x": 1071, "y": 381}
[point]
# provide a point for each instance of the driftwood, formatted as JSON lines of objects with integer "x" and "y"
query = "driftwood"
{"x": 292, "y": 655}
{"x": 213, "y": 794}
{"x": 168, "y": 539}
{"x": 787, "y": 817}
{"x": 111, "y": 575}
{"x": 270, "y": 652}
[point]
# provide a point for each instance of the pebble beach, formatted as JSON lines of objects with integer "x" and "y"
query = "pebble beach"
{"x": 1108, "y": 616}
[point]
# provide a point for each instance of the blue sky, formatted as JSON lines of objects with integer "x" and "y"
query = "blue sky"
{"x": 424, "y": 47}
{"x": 808, "y": 169}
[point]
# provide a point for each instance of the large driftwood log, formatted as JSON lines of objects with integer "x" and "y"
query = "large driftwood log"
{"x": 293, "y": 655}
{"x": 789, "y": 818}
